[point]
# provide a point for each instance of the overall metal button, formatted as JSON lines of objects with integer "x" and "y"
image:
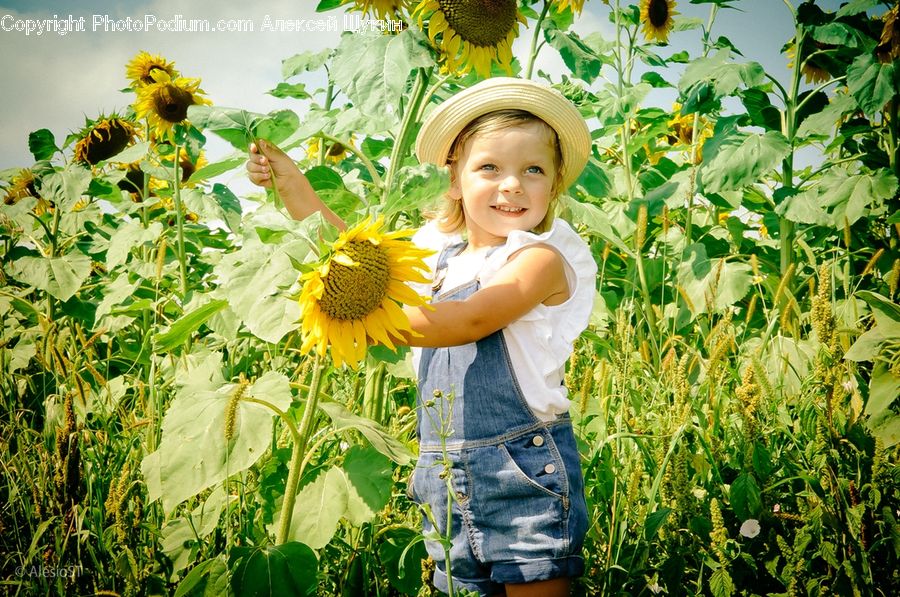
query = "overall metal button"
{"x": 538, "y": 440}
{"x": 550, "y": 469}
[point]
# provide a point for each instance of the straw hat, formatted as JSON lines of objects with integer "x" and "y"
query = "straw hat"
{"x": 446, "y": 121}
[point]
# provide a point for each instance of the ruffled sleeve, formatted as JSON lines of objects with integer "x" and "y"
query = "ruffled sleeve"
{"x": 570, "y": 318}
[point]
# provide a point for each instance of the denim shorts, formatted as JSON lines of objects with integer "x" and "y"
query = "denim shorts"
{"x": 517, "y": 509}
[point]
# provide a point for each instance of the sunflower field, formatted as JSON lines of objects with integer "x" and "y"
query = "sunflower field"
{"x": 180, "y": 416}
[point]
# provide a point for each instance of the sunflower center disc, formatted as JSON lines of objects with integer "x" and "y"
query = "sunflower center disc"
{"x": 658, "y": 12}
{"x": 352, "y": 292}
{"x": 172, "y": 103}
{"x": 117, "y": 138}
{"x": 483, "y": 23}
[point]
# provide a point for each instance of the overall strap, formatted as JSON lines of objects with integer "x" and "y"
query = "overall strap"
{"x": 440, "y": 271}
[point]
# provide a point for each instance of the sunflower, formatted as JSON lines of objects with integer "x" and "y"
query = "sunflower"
{"x": 104, "y": 138}
{"x": 889, "y": 45}
{"x": 681, "y": 129}
{"x": 166, "y": 101}
{"x": 382, "y": 9}
{"x": 813, "y": 72}
{"x": 335, "y": 154}
{"x": 21, "y": 186}
{"x": 656, "y": 15}
{"x": 474, "y": 33}
{"x": 576, "y": 5}
{"x": 141, "y": 68}
{"x": 357, "y": 291}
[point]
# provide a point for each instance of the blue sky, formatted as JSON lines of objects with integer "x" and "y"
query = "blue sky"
{"x": 54, "y": 81}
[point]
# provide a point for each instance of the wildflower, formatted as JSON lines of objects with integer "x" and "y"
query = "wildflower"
{"x": 576, "y": 5}
{"x": 336, "y": 152}
{"x": 356, "y": 292}
{"x": 474, "y": 33}
{"x": 750, "y": 528}
{"x": 656, "y": 18}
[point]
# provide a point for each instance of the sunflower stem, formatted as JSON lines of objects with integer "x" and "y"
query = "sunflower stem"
{"x": 785, "y": 226}
{"x": 300, "y": 441}
{"x": 370, "y": 167}
{"x": 179, "y": 219}
{"x": 404, "y": 139}
{"x": 534, "y": 50}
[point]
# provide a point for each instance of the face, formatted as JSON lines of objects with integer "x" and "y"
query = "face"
{"x": 505, "y": 181}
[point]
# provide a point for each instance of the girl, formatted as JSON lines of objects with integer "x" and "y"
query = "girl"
{"x": 512, "y": 289}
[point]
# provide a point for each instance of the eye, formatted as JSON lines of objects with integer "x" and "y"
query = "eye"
{"x": 534, "y": 170}
{"x": 490, "y": 167}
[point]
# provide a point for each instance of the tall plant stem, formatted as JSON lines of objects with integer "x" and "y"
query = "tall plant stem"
{"x": 785, "y": 226}
{"x": 695, "y": 145}
{"x": 534, "y": 49}
{"x": 407, "y": 128}
{"x": 893, "y": 133}
{"x": 300, "y": 441}
{"x": 179, "y": 219}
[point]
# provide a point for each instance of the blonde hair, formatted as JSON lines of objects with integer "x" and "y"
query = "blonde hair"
{"x": 451, "y": 217}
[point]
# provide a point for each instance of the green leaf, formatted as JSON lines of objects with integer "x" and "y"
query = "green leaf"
{"x": 855, "y": 7}
{"x": 597, "y": 221}
{"x": 720, "y": 583}
{"x": 129, "y": 235}
{"x": 380, "y": 439}
{"x": 274, "y": 570}
{"x": 884, "y": 388}
{"x": 828, "y": 119}
{"x": 711, "y": 283}
{"x": 304, "y": 62}
{"x": 654, "y": 521}
{"x": 871, "y": 82}
{"x": 66, "y": 188}
{"x": 42, "y": 144}
{"x": 59, "y": 276}
{"x": 885, "y": 311}
{"x": 745, "y": 496}
{"x": 419, "y": 187}
{"x": 733, "y": 160}
{"x": 179, "y": 332}
{"x": 839, "y": 195}
{"x": 886, "y": 427}
{"x": 295, "y": 91}
{"x": 194, "y": 453}
{"x": 253, "y": 279}
{"x": 318, "y": 509}
{"x": 207, "y": 579}
{"x": 369, "y": 483}
{"x": 216, "y": 168}
{"x": 866, "y": 347}
{"x": 762, "y": 112}
{"x": 581, "y": 60}
{"x": 131, "y": 154}
{"x": 401, "y": 550}
{"x": 372, "y": 70}
{"x": 724, "y": 77}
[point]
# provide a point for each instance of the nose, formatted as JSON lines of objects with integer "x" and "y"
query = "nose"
{"x": 510, "y": 184}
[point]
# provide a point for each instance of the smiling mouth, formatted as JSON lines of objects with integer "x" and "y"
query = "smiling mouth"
{"x": 508, "y": 209}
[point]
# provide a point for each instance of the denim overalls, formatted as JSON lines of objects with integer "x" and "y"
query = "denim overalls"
{"x": 517, "y": 511}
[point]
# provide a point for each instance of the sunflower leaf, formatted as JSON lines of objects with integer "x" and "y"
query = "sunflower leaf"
{"x": 372, "y": 69}
{"x": 60, "y": 276}
{"x": 734, "y": 159}
{"x": 380, "y": 439}
{"x": 872, "y": 83}
{"x": 42, "y": 144}
{"x": 582, "y": 61}
{"x": 304, "y": 62}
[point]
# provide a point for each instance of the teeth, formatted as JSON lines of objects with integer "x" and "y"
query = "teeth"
{"x": 508, "y": 209}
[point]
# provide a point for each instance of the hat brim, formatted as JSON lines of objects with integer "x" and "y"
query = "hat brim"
{"x": 446, "y": 121}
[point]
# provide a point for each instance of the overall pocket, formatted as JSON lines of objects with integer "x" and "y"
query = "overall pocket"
{"x": 533, "y": 460}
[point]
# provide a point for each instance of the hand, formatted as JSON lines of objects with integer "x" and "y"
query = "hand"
{"x": 267, "y": 159}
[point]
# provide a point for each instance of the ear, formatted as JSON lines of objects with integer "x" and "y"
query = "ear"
{"x": 455, "y": 191}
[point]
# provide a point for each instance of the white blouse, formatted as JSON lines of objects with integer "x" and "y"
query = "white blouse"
{"x": 540, "y": 342}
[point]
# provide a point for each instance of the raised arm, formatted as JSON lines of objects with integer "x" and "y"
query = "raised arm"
{"x": 534, "y": 275}
{"x": 299, "y": 197}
